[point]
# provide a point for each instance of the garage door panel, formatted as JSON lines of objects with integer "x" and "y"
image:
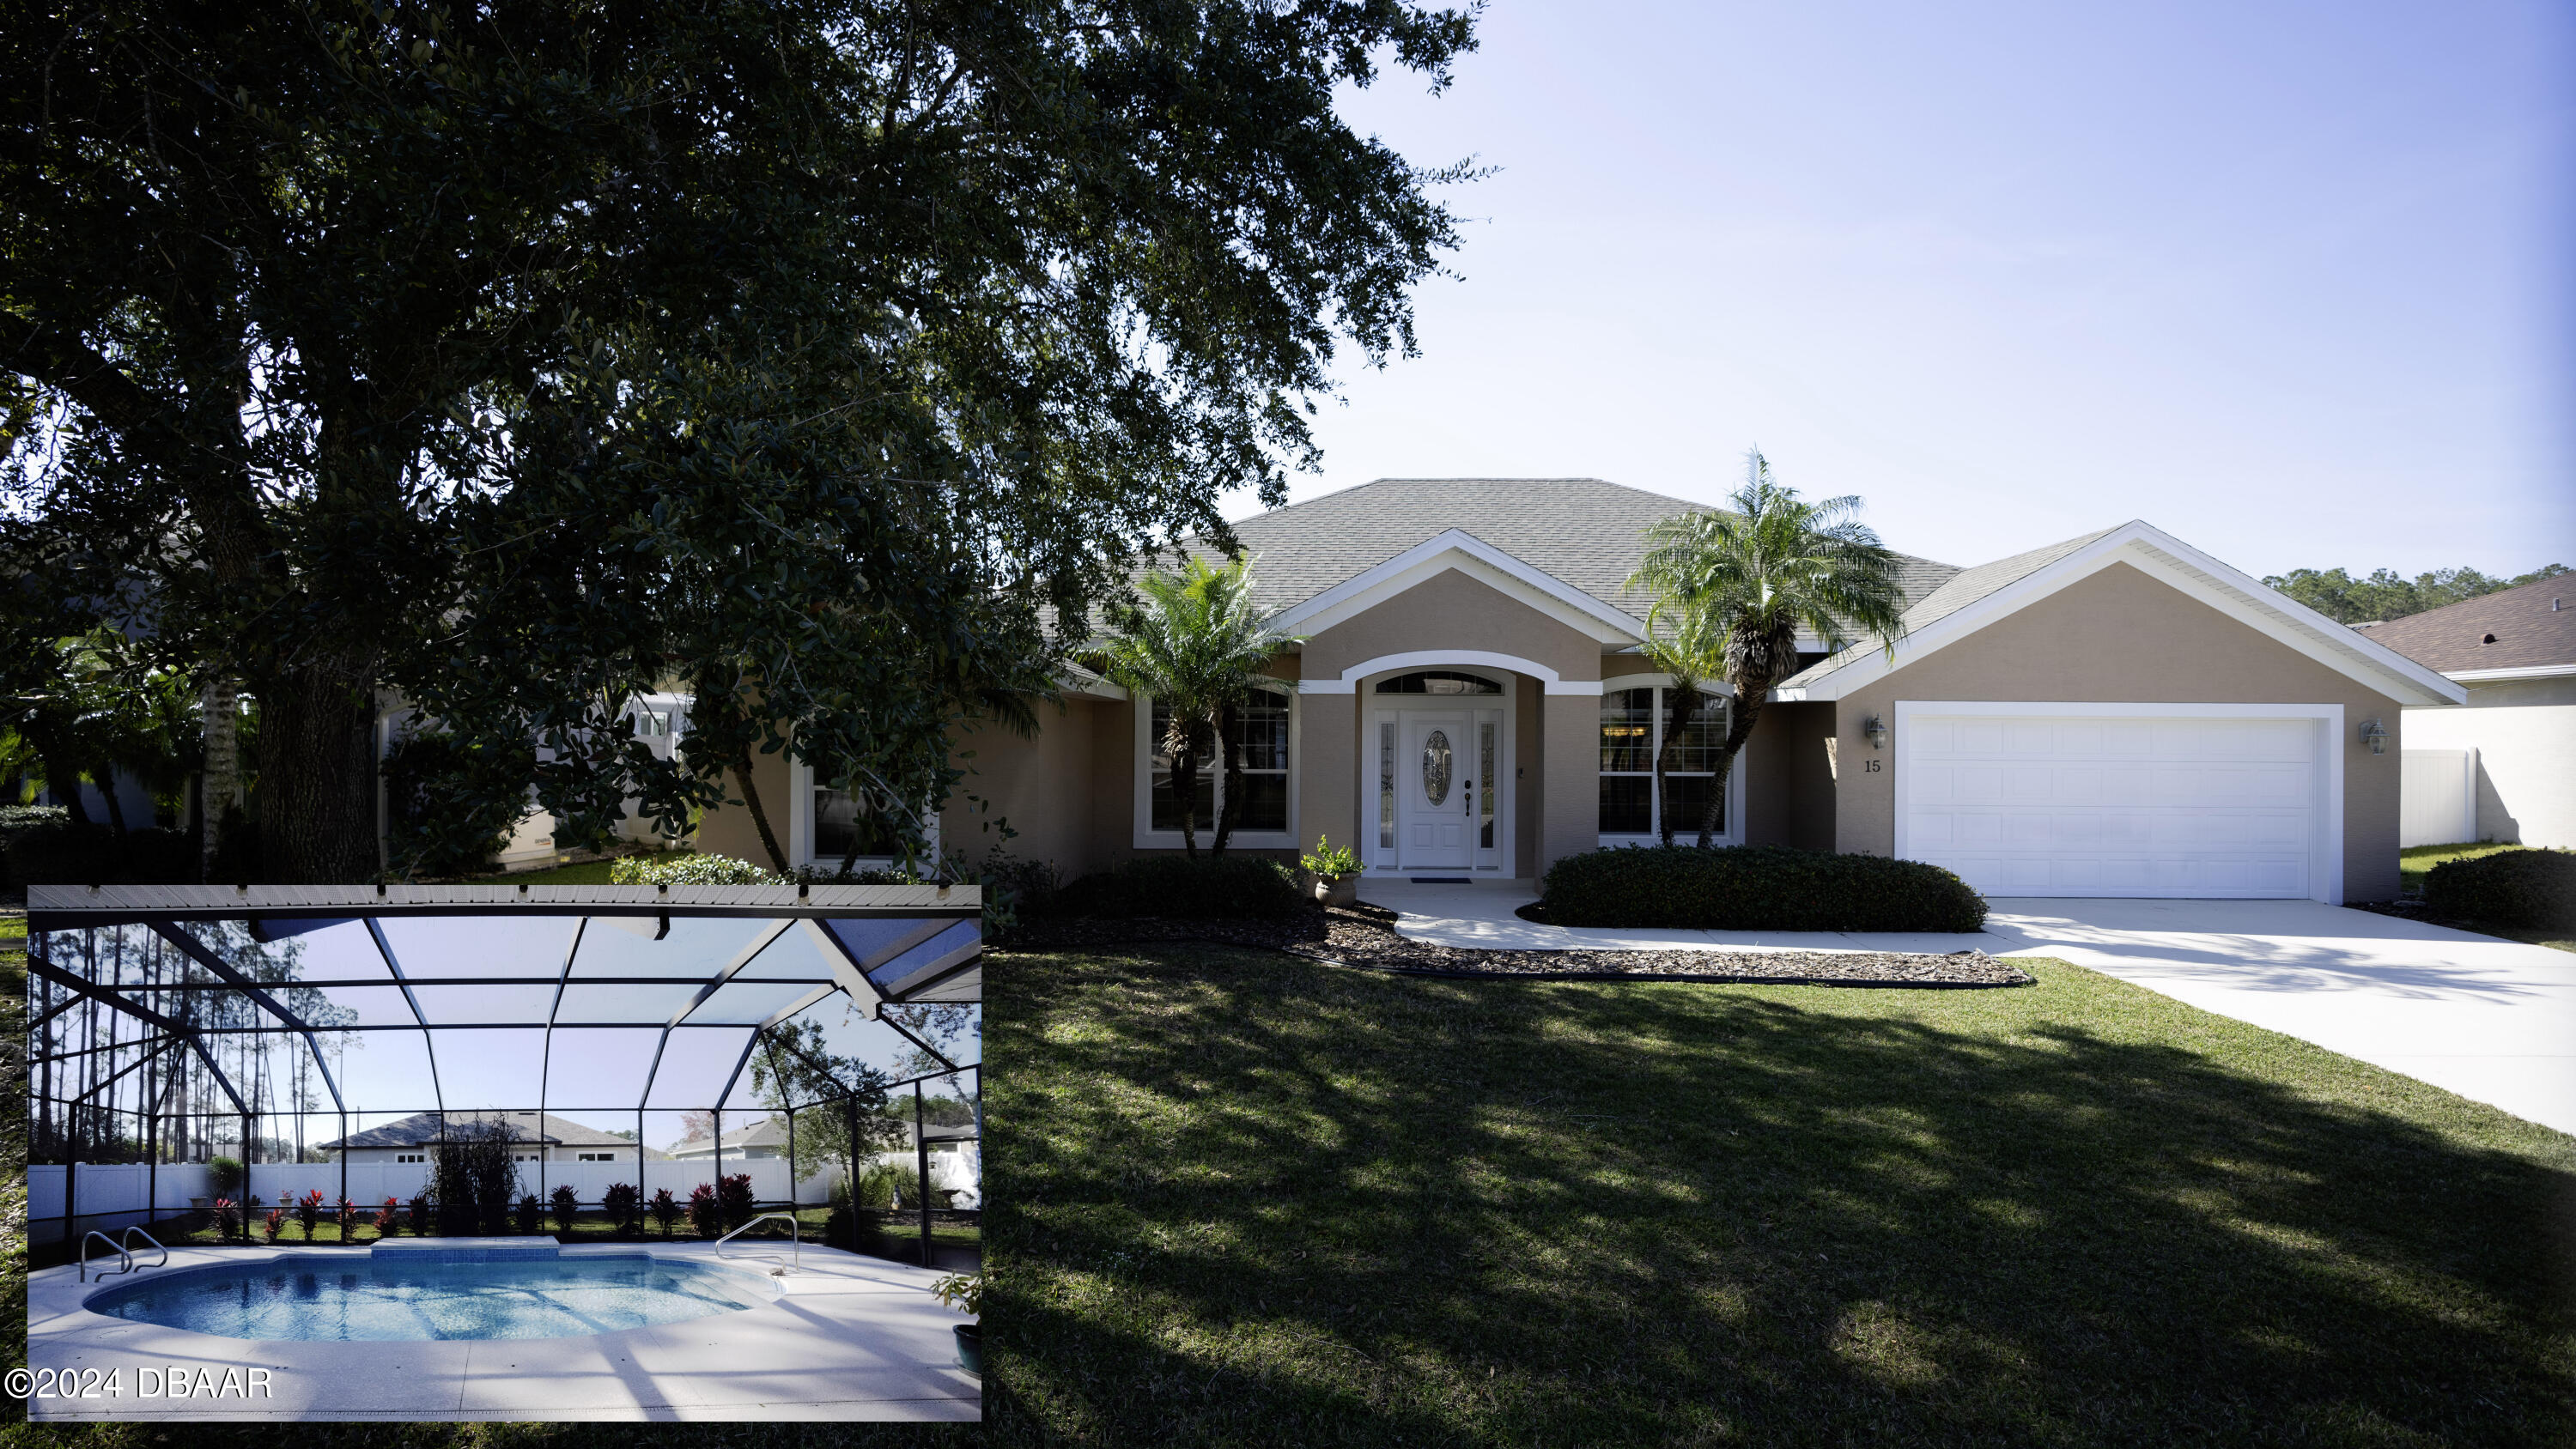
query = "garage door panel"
{"x": 2160, "y": 806}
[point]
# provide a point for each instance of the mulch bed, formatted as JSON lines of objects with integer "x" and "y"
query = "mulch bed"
{"x": 1364, "y": 936}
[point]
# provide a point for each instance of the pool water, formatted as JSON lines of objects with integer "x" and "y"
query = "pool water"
{"x": 379, "y": 1299}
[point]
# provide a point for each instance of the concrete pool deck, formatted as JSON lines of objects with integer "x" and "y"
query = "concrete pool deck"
{"x": 847, "y": 1338}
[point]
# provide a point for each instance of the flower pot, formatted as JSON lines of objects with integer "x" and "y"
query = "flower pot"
{"x": 1337, "y": 890}
{"x": 970, "y": 1348}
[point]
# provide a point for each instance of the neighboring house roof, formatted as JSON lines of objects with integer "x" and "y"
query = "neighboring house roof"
{"x": 1581, "y": 532}
{"x": 2493, "y": 636}
{"x": 423, "y": 1128}
{"x": 1981, "y": 595}
{"x": 767, "y": 1132}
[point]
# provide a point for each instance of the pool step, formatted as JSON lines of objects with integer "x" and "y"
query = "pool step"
{"x": 465, "y": 1250}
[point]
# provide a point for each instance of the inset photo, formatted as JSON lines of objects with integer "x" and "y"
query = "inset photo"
{"x": 705, "y": 1152}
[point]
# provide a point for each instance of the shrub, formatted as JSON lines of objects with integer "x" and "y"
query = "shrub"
{"x": 348, "y": 1222}
{"x": 1756, "y": 888}
{"x": 703, "y": 1220}
{"x": 686, "y": 869}
{"x": 387, "y": 1216}
{"x": 619, "y": 1203}
{"x": 734, "y": 1201}
{"x": 532, "y": 1215}
{"x": 14, "y": 818}
{"x": 2533, "y": 888}
{"x": 476, "y": 1179}
{"x": 308, "y": 1212}
{"x": 665, "y": 1210}
{"x": 223, "y": 1176}
{"x": 874, "y": 1187}
{"x": 420, "y": 1216}
{"x": 1179, "y": 885}
{"x": 566, "y": 1203}
{"x": 268, "y": 1226}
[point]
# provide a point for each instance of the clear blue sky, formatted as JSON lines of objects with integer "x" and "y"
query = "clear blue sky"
{"x": 2288, "y": 280}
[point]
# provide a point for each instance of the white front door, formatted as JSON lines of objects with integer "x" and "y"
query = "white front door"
{"x": 1436, "y": 777}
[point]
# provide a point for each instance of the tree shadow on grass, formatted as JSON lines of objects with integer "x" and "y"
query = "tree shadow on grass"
{"x": 1242, "y": 1199}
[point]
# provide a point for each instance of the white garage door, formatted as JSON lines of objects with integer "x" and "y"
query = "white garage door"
{"x": 2032, "y": 804}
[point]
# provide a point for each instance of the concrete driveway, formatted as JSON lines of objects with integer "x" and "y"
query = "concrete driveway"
{"x": 2492, "y": 1020}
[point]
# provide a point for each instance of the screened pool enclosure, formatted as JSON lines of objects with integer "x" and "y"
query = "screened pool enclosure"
{"x": 332, "y": 1039}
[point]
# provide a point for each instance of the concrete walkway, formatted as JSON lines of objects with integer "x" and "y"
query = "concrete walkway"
{"x": 2492, "y": 1020}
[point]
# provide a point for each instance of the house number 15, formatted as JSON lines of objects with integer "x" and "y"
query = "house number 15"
{"x": 1870, "y": 767}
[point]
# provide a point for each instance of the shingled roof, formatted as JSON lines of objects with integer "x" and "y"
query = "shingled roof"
{"x": 422, "y": 1128}
{"x": 1581, "y": 531}
{"x": 2528, "y": 632}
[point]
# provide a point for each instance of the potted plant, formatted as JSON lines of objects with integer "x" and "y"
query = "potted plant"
{"x": 1335, "y": 870}
{"x": 666, "y": 1209}
{"x": 566, "y": 1203}
{"x": 965, "y": 1293}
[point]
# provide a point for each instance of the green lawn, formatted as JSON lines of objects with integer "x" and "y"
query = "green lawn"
{"x": 2417, "y": 861}
{"x": 1244, "y": 1199}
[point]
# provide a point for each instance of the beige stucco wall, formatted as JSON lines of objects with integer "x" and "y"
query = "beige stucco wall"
{"x": 1449, "y": 610}
{"x": 728, "y": 829}
{"x": 1040, "y": 787}
{"x": 2122, "y": 636}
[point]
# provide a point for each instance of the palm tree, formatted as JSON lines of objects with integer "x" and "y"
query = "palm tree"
{"x": 1688, "y": 646}
{"x": 1196, "y": 646}
{"x": 1752, "y": 578}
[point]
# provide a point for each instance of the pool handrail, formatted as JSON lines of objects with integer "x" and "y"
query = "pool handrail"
{"x": 133, "y": 1228}
{"x": 112, "y": 1247}
{"x": 795, "y": 1230}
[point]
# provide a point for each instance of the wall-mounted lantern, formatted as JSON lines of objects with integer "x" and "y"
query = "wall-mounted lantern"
{"x": 1876, "y": 729}
{"x": 2374, "y": 736}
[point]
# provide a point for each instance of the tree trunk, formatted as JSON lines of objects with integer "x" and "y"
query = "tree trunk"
{"x": 1740, "y": 714}
{"x": 219, "y": 790}
{"x": 317, "y": 774}
{"x": 1229, "y": 776}
{"x": 759, "y": 816}
{"x": 1676, "y": 716}
{"x": 1185, "y": 785}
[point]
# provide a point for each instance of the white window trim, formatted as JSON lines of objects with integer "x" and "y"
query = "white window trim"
{"x": 799, "y": 843}
{"x": 1374, "y": 862}
{"x": 2326, "y": 847}
{"x": 1733, "y": 834}
{"x": 1142, "y": 816}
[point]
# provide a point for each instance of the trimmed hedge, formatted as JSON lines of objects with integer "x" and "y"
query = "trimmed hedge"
{"x": 1756, "y": 888}
{"x": 2535, "y": 888}
{"x": 1223, "y": 886}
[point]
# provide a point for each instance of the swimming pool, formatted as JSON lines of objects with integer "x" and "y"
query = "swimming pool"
{"x": 382, "y": 1297}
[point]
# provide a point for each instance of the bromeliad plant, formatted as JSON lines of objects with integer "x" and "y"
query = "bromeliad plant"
{"x": 566, "y": 1203}
{"x": 666, "y": 1210}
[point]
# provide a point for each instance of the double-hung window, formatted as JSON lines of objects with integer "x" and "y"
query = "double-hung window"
{"x": 1634, "y": 726}
{"x": 1259, "y": 741}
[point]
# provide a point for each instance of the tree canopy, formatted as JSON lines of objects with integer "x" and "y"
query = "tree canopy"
{"x": 2386, "y": 594}
{"x": 526, "y": 358}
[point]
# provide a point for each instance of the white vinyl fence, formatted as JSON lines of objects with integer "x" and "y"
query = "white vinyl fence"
{"x": 2437, "y": 795}
{"x": 109, "y": 1196}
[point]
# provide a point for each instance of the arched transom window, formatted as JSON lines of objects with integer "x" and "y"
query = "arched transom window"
{"x": 1437, "y": 681}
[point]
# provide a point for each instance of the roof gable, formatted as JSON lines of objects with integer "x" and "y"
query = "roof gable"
{"x": 1981, "y": 595}
{"x": 422, "y": 1128}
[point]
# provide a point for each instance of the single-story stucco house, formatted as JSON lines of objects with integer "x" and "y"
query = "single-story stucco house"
{"x": 411, "y": 1139}
{"x": 2115, "y": 715}
{"x": 768, "y": 1138}
{"x": 2502, "y": 765}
